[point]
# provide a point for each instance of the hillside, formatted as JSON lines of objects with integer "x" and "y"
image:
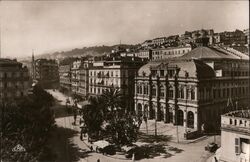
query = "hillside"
{"x": 82, "y": 52}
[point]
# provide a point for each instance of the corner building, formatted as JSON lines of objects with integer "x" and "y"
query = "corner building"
{"x": 115, "y": 72}
{"x": 14, "y": 79}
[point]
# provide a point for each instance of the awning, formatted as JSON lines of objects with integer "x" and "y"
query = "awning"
{"x": 101, "y": 143}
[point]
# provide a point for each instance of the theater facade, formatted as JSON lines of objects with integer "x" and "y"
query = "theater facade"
{"x": 193, "y": 90}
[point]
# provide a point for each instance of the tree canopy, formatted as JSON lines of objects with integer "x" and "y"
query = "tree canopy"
{"x": 104, "y": 116}
{"x": 27, "y": 122}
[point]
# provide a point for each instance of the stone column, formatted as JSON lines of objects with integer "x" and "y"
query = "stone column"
{"x": 185, "y": 118}
{"x": 196, "y": 119}
{"x": 136, "y": 111}
{"x": 196, "y": 92}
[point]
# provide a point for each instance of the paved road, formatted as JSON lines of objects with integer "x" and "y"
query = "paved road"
{"x": 66, "y": 122}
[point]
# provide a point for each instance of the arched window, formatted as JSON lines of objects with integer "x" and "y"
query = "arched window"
{"x": 190, "y": 119}
{"x": 231, "y": 121}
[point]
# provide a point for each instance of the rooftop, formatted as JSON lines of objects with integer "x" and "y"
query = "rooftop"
{"x": 8, "y": 61}
{"x": 244, "y": 114}
{"x": 194, "y": 68}
{"x": 212, "y": 53}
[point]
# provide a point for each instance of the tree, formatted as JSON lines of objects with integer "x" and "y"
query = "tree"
{"x": 93, "y": 115}
{"x": 124, "y": 129}
{"x": 113, "y": 100}
{"x": 27, "y": 122}
{"x": 104, "y": 115}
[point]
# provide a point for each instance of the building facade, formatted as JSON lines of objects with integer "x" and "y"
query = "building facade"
{"x": 192, "y": 90}
{"x": 145, "y": 53}
{"x": 115, "y": 72}
{"x": 163, "y": 53}
{"x": 14, "y": 79}
{"x": 235, "y": 136}
{"x": 84, "y": 78}
{"x": 65, "y": 76}
{"x": 80, "y": 77}
{"x": 236, "y": 37}
{"x": 47, "y": 73}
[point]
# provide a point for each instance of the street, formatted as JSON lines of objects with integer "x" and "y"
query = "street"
{"x": 194, "y": 151}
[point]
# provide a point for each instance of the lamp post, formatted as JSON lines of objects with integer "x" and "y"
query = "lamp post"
{"x": 186, "y": 76}
{"x": 176, "y": 101}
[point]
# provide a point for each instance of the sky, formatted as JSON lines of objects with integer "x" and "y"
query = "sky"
{"x": 48, "y": 26}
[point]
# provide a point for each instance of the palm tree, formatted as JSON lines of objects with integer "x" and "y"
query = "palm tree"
{"x": 113, "y": 99}
{"x": 93, "y": 114}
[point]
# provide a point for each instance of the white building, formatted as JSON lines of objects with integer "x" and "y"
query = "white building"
{"x": 235, "y": 137}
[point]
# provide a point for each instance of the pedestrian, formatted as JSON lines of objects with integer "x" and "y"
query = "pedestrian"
{"x": 91, "y": 148}
{"x": 81, "y": 136}
{"x": 133, "y": 157}
{"x": 75, "y": 116}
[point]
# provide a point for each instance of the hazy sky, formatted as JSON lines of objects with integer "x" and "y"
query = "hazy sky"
{"x": 59, "y": 25}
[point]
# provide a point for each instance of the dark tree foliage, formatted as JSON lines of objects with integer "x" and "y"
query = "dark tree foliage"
{"x": 93, "y": 115}
{"x": 123, "y": 130}
{"x": 105, "y": 116}
{"x": 27, "y": 122}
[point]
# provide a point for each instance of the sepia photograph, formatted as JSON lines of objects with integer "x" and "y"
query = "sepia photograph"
{"x": 124, "y": 81}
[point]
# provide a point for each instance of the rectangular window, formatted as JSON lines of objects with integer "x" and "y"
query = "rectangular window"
{"x": 162, "y": 92}
{"x": 162, "y": 72}
{"x": 171, "y": 93}
{"x": 237, "y": 146}
{"x": 154, "y": 92}
{"x": 192, "y": 94}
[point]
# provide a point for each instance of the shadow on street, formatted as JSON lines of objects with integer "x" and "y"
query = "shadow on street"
{"x": 62, "y": 145}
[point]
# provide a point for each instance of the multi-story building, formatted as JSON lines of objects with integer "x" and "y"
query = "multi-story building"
{"x": 163, "y": 53}
{"x": 115, "y": 72}
{"x": 14, "y": 79}
{"x": 236, "y": 37}
{"x": 46, "y": 73}
{"x": 84, "y": 77}
{"x": 65, "y": 76}
{"x": 79, "y": 77}
{"x": 75, "y": 76}
{"x": 159, "y": 41}
{"x": 145, "y": 53}
{"x": 235, "y": 137}
{"x": 192, "y": 90}
{"x": 246, "y": 32}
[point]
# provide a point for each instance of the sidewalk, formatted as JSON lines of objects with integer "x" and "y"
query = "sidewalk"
{"x": 169, "y": 130}
{"x": 193, "y": 152}
{"x": 66, "y": 122}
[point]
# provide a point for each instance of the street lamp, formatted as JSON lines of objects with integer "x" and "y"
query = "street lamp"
{"x": 176, "y": 101}
{"x": 186, "y": 76}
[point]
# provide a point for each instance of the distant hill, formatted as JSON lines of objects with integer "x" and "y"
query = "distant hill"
{"x": 83, "y": 52}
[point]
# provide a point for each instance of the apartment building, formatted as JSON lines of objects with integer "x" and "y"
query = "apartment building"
{"x": 14, "y": 79}
{"x": 115, "y": 72}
